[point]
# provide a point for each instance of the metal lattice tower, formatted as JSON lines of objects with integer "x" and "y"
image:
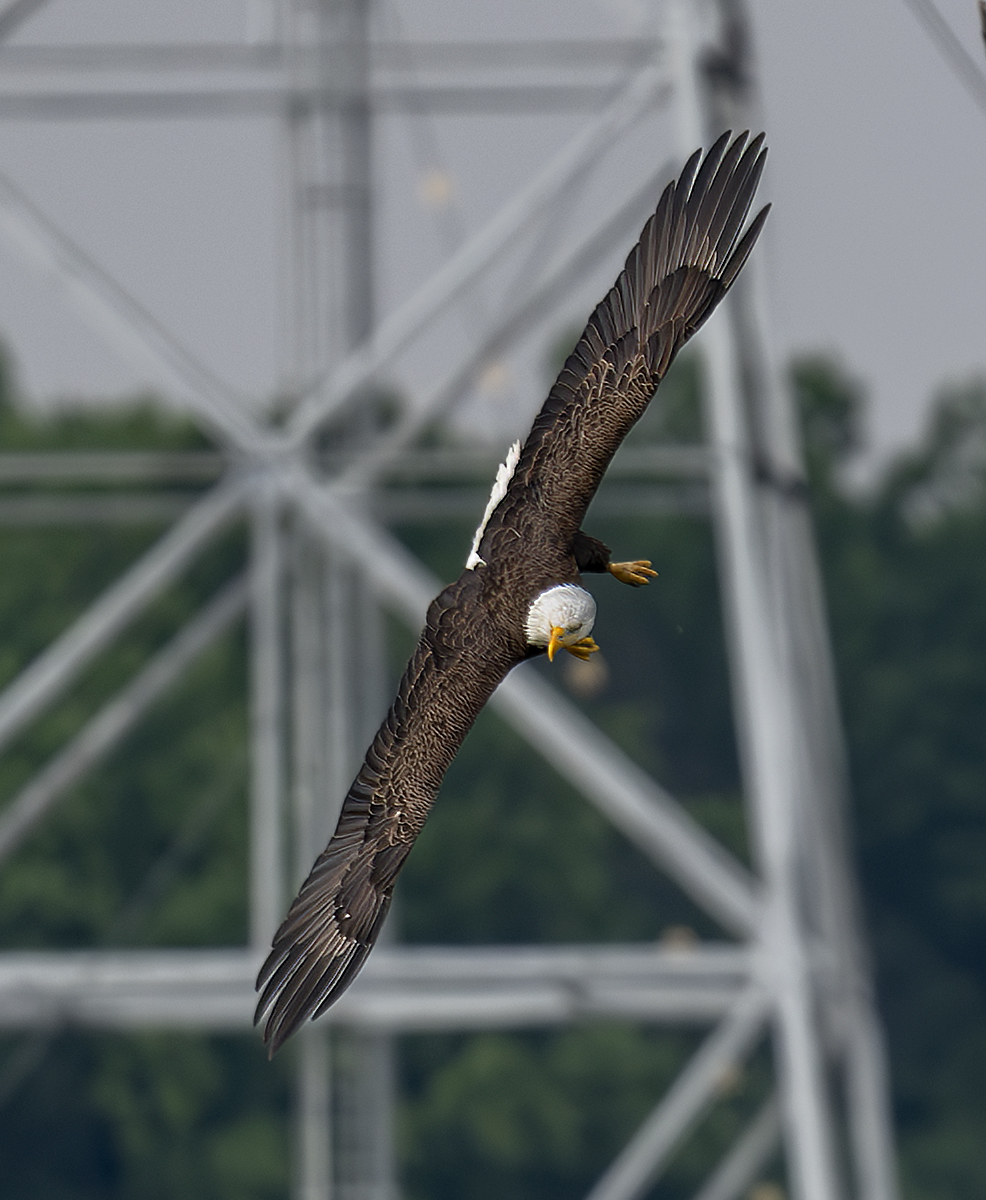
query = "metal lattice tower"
{"x": 322, "y": 565}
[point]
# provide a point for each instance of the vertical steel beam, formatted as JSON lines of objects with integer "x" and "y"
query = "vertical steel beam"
{"x": 342, "y": 730}
{"x": 366, "y": 1125}
{"x": 829, "y": 890}
{"x": 314, "y": 323}
{"x": 331, "y": 185}
{"x": 765, "y": 712}
{"x": 765, "y": 724}
{"x": 312, "y": 773}
{"x": 448, "y": 283}
{"x": 313, "y": 1112}
{"x": 830, "y": 905}
{"x": 868, "y": 1095}
{"x": 353, "y": 658}
{"x": 349, "y": 32}
{"x": 333, "y": 312}
{"x": 834, "y": 895}
{"x": 267, "y": 891}
{"x": 308, "y": 751}
{"x": 365, "y": 1117}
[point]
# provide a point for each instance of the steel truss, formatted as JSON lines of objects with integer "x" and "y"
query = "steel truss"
{"x": 796, "y": 970}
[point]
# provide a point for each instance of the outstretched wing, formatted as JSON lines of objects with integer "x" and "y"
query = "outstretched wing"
{"x": 687, "y": 258}
{"x": 332, "y": 925}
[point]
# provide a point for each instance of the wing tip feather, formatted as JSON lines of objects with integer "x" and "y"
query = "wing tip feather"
{"x": 314, "y": 958}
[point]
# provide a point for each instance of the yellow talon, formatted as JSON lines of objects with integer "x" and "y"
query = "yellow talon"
{"x": 636, "y": 573}
{"x": 583, "y": 648}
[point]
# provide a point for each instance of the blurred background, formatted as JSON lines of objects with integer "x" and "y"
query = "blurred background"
{"x": 873, "y": 257}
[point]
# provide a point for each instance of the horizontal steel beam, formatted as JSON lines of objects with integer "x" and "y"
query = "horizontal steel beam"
{"x": 388, "y": 504}
{"x": 127, "y": 103}
{"x": 479, "y": 462}
{"x": 425, "y": 464}
{"x": 409, "y": 505}
{"x": 400, "y": 989}
{"x": 109, "y": 508}
{"x": 404, "y": 56}
{"x": 111, "y": 466}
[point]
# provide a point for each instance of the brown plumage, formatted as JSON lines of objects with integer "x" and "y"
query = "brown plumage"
{"x": 687, "y": 257}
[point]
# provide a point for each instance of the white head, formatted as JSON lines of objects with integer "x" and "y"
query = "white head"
{"x": 560, "y": 616}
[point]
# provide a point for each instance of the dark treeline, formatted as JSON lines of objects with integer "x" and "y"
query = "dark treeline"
{"x": 150, "y": 849}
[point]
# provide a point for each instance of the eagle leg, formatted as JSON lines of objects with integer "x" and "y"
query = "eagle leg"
{"x": 590, "y": 553}
{"x": 582, "y": 649}
{"x": 593, "y": 555}
{"x": 636, "y": 573}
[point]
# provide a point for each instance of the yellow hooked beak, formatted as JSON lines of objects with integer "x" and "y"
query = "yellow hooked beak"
{"x": 557, "y": 634}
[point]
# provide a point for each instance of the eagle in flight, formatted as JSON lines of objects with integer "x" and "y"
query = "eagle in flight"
{"x": 520, "y": 594}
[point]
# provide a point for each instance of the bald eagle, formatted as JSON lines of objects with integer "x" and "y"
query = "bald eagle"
{"x": 520, "y": 594}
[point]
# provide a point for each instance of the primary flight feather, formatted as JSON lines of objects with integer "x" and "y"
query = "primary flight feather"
{"x": 520, "y": 594}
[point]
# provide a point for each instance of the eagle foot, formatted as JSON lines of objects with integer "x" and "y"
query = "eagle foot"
{"x": 636, "y": 573}
{"x": 583, "y": 648}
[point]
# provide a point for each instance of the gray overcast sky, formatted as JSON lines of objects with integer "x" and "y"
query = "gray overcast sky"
{"x": 875, "y": 249}
{"x": 878, "y": 168}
